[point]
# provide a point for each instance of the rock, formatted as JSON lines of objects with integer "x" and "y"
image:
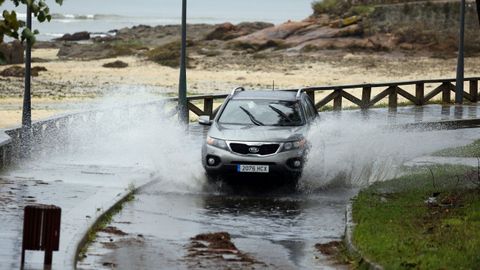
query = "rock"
{"x": 116, "y": 64}
{"x": 269, "y": 37}
{"x": 17, "y": 71}
{"x": 228, "y": 31}
{"x": 12, "y": 52}
{"x": 75, "y": 36}
{"x": 281, "y": 31}
{"x": 224, "y": 31}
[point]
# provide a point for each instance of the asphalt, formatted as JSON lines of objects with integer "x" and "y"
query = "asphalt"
{"x": 64, "y": 185}
{"x": 85, "y": 189}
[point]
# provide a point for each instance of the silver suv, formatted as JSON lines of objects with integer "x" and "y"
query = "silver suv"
{"x": 259, "y": 132}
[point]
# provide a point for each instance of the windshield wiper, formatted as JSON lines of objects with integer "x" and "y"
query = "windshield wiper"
{"x": 282, "y": 114}
{"x": 252, "y": 118}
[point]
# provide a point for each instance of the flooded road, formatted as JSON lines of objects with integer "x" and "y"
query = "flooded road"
{"x": 269, "y": 228}
{"x": 168, "y": 223}
{"x": 277, "y": 229}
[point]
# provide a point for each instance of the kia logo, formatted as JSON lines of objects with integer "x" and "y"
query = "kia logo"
{"x": 254, "y": 149}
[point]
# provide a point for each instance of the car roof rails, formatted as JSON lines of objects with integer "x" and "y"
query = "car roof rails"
{"x": 299, "y": 92}
{"x": 236, "y": 89}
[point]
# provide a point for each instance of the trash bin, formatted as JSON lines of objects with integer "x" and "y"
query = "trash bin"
{"x": 41, "y": 230}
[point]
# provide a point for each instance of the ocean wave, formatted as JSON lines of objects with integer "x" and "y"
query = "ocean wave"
{"x": 59, "y": 16}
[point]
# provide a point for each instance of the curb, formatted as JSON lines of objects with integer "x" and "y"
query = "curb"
{"x": 348, "y": 240}
{"x": 123, "y": 197}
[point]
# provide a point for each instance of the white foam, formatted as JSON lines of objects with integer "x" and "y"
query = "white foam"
{"x": 356, "y": 152}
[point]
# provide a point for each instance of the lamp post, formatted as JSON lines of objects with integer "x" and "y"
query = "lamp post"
{"x": 27, "y": 103}
{"x": 461, "y": 53}
{"x": 182, "y": 87}
{"x": 27, "y": 109}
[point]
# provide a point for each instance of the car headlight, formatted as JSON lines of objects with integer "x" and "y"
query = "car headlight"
{"x": 217, "y": 143}
{"x": 294, "y": 145}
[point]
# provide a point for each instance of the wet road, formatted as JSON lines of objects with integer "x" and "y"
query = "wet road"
{"x": 272, "y": 229}
{"x": 278, "y": 229}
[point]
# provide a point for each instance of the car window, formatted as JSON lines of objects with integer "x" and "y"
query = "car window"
{"x": 262, "y": 113}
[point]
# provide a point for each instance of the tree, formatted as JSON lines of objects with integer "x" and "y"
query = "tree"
{"x": 12, "y": 27}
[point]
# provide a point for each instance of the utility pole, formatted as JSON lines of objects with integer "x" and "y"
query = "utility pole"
{"x": 182, "y": 88}
{"x": 461, "y": 55}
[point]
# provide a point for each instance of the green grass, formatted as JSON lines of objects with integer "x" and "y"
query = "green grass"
{"x": 399, "y": 230}
{"x": 362, "y": 9}
{"x": 104, "y": 220}
{"x": 471, "y": 150}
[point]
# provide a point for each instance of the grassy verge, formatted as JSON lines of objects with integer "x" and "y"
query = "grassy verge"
{"x": 471, "y": 150}
{"x": 103, "y": 222}
{"x": 398, "y": 228}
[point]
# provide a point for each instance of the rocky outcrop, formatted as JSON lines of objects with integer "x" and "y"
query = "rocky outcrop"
{"x": 17, "y": 71}
{"x": 162, "y": 34}
{"x": 115, "y": 64}
{"x": 13, "y": 53}
{"x": 295, "y": 34}
{"x": 228, "y": 31}
{"x": 75, "y": 36}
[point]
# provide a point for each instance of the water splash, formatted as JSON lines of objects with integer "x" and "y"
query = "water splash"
{"x": 135, "y": 137}
{"x": 350, "y": 150}
{"x": 347, "y": 148}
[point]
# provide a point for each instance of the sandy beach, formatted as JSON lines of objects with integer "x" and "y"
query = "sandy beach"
{"x": 73, "y": 81}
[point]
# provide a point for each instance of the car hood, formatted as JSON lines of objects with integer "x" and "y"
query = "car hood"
{"x": 252, "y": 133}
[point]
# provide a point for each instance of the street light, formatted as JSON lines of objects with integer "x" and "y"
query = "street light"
{"x": 182, "y": 87}
{"x": 27, "y": 113}
{"x": 461, "y": 53}
{"x": 27, "y": 103}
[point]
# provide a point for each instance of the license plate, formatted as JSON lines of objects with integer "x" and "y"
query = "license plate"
{"x": 253, "y": 168}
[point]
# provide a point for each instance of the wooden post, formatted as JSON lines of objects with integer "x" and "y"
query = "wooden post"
{"x": 474, "y": 89}
{"x": 48, "y": 257}
{"x": 311, "y": 94}
{"x": 445, "y": 93}
{"x": 366, "y": 96}
{"x": 337, "y": 101}
{"x": 420, "y": 93}
{"x": 208, "y": 106}
{"x": 393, "y": 97}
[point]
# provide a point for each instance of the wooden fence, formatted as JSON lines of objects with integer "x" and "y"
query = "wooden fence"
{"x": 53, "y": 131}
{"x": 390, "y": 92}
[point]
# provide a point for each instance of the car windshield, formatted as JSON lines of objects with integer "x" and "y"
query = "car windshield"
{"x": 261, "y": 113}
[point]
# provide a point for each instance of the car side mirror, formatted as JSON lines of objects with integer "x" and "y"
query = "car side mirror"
{"x": 205, "y": 120}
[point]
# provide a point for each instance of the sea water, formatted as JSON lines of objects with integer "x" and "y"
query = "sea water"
{"x": 102, "y": 16}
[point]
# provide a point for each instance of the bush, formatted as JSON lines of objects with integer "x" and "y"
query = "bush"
{"x": 125, "y": 47}
{"x": 168, "y": 54}
{"x": 335, "y": 7}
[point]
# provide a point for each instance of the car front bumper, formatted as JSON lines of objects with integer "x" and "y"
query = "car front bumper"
{"x": 227, "y": 161}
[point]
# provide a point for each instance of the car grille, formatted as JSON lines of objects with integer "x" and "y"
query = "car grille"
{"x": 245, "y": 149}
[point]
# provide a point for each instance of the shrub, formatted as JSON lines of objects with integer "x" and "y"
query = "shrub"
{"x": 168, "y": 54}
{"x": 336, "y": 7}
